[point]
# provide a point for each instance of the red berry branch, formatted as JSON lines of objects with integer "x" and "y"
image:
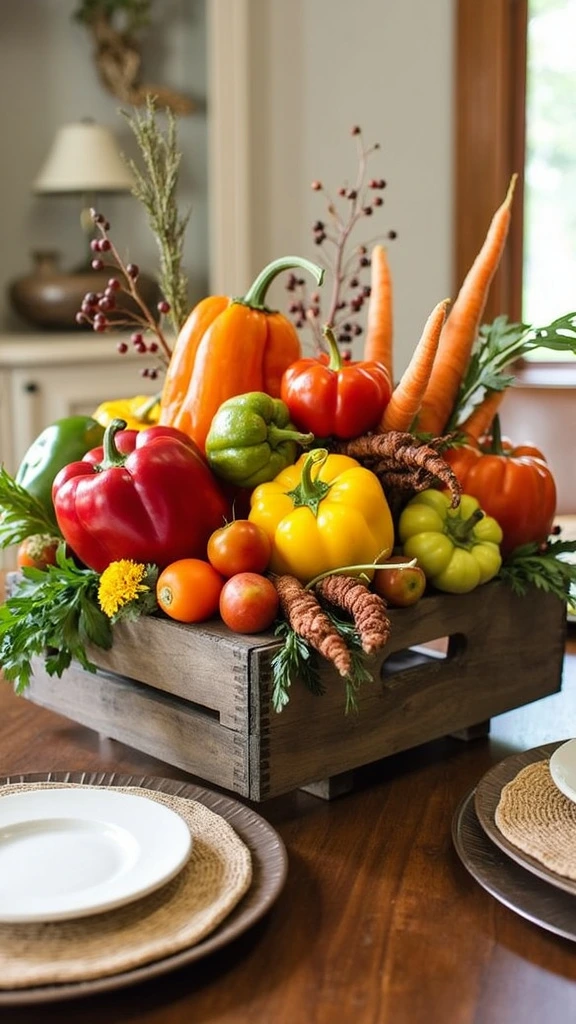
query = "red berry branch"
{"x": 347, "y": 269}
{"x": 102, "y": 309}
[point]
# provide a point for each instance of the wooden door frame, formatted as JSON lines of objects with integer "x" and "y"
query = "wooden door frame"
{"x": 490, "y": 138}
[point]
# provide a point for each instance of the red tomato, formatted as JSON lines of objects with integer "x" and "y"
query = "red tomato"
{"x": 37, "y": 551}
{"x": 239, "y": 546}
{"x": 248, "y": 603}
{"x": 400, "y": 587}
{"x": 189, "y": 590}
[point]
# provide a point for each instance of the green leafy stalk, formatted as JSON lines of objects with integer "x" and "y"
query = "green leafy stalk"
{"x": 550, "y": 570}
{"x": 498, "y": 346}
{"x": 155, "y": 186}
{"x": 55, "y": 614}
{"x": 21, "y": 514}
{"x": 297, "y": 659}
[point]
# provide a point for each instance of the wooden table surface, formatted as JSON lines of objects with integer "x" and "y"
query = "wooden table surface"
{"x": 378, "y": 922}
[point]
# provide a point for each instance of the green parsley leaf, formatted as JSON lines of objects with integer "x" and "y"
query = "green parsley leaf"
{"x": 549, "y": 570}
{"x": 53, "y": 613}
{"x": 498, "y": 345}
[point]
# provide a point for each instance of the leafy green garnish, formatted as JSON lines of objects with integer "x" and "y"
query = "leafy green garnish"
{"x": 296, "y": 658}
{"x": 54, "y": 613}
{"x": 21, "y": 514}
{"x": 530, "y": 566}
{"x": 499, "y": 344}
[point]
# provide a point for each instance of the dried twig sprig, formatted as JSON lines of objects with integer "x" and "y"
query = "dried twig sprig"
{"x": 103, "y": 312}
{"x": 347, "y": 269}
{"x": 156, "y": 187}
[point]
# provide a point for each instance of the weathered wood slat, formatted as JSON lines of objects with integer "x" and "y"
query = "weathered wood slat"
{"x": 165, "y": 727}
{"x": 200, "y": 697}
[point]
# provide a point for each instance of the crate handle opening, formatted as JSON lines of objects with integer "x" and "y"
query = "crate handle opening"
{"x": 424, "y": 656}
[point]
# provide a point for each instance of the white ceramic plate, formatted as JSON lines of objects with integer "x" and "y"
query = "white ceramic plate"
{"x": 69, "y": 853}
{"x": 563, "y": 768}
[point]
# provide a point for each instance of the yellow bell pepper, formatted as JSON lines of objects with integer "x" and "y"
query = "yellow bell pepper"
{"x": 323, "y": 513}
{"x": 139, "y": 412}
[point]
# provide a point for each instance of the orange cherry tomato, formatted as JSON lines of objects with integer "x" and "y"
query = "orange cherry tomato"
{"x": 188, "y": 590}
{"x": 37, "y": 551}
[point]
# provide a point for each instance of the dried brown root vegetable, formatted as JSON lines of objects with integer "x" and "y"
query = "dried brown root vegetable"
{"x": 395, "y": 450}
{"x": 307, "y": 618}
{"x": 368, "y": 610}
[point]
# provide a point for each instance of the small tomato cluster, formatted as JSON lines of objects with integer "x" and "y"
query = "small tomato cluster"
{"x": 230, "y": 582}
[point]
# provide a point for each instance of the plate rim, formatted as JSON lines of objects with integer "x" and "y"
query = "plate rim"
{"x": 270, "y": 864}
{"x": 569, "y": 792}
{"x": 465, "y": 816}
{"x": 486, "y": 796}
{"x": 117, "y": 899}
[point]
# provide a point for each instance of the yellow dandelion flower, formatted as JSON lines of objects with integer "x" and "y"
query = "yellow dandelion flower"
{"x": 120, "y": 583}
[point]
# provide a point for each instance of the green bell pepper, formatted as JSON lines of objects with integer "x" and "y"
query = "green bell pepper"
{"x": 458, "y": 549}
{"x": 65, "y": 441}
{"x": 251, "y": 439}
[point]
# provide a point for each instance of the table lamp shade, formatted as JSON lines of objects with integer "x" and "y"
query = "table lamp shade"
{"x": 84, "y": 158}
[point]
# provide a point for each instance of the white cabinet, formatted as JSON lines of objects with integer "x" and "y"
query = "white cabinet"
{"x": 46, "y": 377}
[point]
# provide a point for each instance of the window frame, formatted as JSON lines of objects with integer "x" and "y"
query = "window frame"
{"x": 490, "y": 145}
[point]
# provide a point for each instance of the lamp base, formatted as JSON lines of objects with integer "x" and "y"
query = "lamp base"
{"x": 50, "y": 298}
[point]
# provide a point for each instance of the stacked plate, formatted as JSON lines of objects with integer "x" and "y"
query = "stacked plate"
{"x": 525, "y": 883}
{"x": 106, "y": 880}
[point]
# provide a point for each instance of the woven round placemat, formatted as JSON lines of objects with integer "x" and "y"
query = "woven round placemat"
{"x": 537, "y": 818}
{"x": 168, "y": 920}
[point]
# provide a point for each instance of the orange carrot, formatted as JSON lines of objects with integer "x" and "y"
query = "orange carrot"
{"x": 378, "y": 338}
{"x": 461, "y": 328}
{"x": 480, "y": 419}
{"x": 408, "y": 394}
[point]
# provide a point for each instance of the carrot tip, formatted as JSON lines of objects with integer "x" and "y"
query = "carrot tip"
{"x": 511, "y": 188}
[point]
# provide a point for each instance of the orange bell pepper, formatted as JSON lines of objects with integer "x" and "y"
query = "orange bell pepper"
{"x": 229, "y": 347}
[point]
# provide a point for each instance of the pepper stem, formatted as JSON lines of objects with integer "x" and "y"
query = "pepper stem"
{"x": 276, "y": 435}
{"x": 255, "y": 297}
{"x": 333, "y": 350}
{"x": 496, "y": 441}
{"x": 347, "y": 570}
{"x": 311, "y": 491}
{"x": 143, "y": 411}
{"x": 460, "y": 530}
{"x": 112, "y": 457}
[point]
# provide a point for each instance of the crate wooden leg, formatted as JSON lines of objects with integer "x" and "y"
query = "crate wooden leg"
{"x": 472, "y": 732}
{"x": 329, "y": 789}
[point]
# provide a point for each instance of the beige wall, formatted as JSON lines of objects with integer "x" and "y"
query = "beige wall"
{"x": 47, "y": 78}
{"x": 320, "y": 66}
{"x": 315, "y": 68}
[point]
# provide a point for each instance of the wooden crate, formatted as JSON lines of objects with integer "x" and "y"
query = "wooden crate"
{"x": 199, "y": 697}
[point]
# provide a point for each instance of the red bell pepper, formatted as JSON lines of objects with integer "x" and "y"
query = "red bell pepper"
{"x": 331, "y": 398}
{"x": 146, "y": 495}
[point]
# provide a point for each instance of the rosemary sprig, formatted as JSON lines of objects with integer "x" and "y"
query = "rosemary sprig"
{"x": 155, "y": 187}
{"x": 21, "y": 514}
{"x": 296, "y": 658}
